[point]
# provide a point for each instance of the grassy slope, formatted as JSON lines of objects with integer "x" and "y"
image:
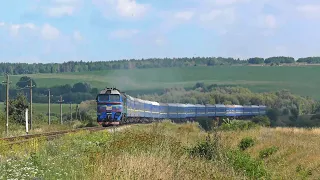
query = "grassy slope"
{"x": 157, "y": 151}
{"x": 297, "y": 156}
{"x": 302, "y": 80}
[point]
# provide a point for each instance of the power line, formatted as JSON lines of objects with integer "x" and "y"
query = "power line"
{"x": 7, "y": 82}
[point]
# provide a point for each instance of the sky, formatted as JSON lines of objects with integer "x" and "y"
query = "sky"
{"x": 48, "y": 31}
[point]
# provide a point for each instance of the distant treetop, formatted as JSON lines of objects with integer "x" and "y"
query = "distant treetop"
{"x": 81, "y": 66}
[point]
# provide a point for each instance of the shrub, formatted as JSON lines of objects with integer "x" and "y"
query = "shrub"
{"x": 261, "y": 120}
{"x": 251, "y": 167}
{"x": 237, "y": 125}
{"x": 208, "y": 149}
{"x": 245, "y": 143}
{"x": 267, "y": 152}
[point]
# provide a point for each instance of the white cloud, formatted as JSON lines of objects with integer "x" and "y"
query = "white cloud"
{"x": 61, "y": 11}
{"x": 270, "y": 21}
{"x": 15, "y": 28}
{"x": 184, "y": 15}
{"x": 229, "y": 2}
{"x": 123, "y": 33}
{"x": 226, "y": 15}
{"x": 77, "y": 36}
{"x": 129, "y": 8}
{"x": 60, "y": 8}
{"x": 49, "y": 32}
{"x": 123, "y": 8}
{"x": 66, "y": 1}
{"x": 309, "y": 11}
{"x": 160, "y": 41}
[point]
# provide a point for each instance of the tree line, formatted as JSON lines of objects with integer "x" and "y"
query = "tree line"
{"x": 75, "y": 93}
{"x": 81, "y": 66}
{"x": 284, "y": 108}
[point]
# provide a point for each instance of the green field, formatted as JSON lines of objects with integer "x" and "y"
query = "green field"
{"x": 302, "y": 80}
{"x": 43, "y": 108}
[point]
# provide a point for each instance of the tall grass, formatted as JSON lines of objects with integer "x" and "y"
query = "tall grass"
{"x": 166, "y": 151}
{"x": 156, "y": 151}
{"x": 287, "y": 153}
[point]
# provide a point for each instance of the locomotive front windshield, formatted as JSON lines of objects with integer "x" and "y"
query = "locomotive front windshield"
{"x": 109, "y": 97}
{"x": 114, "y": 97}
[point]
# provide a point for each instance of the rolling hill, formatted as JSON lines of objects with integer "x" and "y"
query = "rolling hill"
{"x": 302, "y": 80}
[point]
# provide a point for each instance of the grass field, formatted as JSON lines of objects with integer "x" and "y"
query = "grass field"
{"x": 302, "y": 80}
{"x": 43, "y": 108}
{"x": 167, "y": 151}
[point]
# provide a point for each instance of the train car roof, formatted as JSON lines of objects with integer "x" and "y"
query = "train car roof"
{"x": 233, "y": 106}
{"x": 220, "y": 105}
{"x": 181, "y": 105}
{"x": 139, "y": 100}
{"x": 190, "y": 105}
{"x": 154, "y": 103}
{"x": 210, "y": 105}
{"x": 176, "y": 104}
{"x": 199, "y": 105}
{"x": 130, "y": 97}
{"x": 254, "y": 106}
{"x": 163, "y": 104}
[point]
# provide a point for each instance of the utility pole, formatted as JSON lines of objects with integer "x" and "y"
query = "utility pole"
{"x": 70, "y": 111}
{"x": 77, "y": 112}
{"x": 30, "y": 86}
{"x": 60, "y": 108}
{"x": 7, "y": 82}
{"x": 49, "y": 116}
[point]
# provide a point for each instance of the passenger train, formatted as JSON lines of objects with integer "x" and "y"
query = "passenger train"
{"x": 115, "y": 107}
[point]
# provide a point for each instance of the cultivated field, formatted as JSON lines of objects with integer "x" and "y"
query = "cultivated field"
{"x": 302, "y": 80}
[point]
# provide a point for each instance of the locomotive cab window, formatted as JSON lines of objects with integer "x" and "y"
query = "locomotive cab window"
{"x": 114, "y": 97}
{"x": 109, "y": 97}
{"x": 103, "y": 97}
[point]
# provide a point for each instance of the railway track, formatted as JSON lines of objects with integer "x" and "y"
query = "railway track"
{"x": 48, "y": 135}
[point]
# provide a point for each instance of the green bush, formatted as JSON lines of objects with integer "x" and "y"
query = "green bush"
{"x": 208, "y": 149}
{"x": 244, "y": 162}
{"x": 237, "y": 125}
{"x": 261, "y": 120}
{"x": 245, "y": 143}
{"x": 268, "y": 152}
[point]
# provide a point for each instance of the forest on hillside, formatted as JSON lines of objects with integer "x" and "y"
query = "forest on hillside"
{"x": 81, "y": 66}
{"x": 279, "y": 103}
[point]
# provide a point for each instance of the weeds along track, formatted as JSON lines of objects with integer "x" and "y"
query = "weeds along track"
{"x": 51, "y": 135}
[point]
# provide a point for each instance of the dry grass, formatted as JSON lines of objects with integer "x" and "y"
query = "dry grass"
{"x": 156, "y": 166}
{"x": 158, "y": 151}
{"x": 297, "y": 148}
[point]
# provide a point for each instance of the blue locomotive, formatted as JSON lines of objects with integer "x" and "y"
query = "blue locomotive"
{"x": 115, "y": 107}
